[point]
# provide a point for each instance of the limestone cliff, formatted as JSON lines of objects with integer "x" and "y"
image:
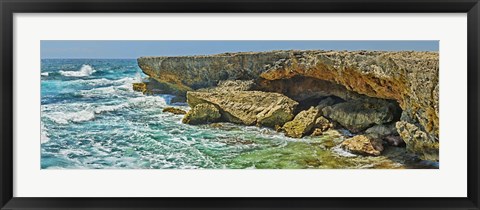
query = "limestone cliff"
{"x": 410, "y": 78}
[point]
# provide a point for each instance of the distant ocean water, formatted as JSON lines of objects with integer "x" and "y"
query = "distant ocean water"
{"x": 91, "y": 118}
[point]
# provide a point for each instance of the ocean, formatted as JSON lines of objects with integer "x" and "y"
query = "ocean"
{"x": 92, "y": 119}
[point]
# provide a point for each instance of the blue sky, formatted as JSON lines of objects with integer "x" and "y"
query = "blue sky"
{"x": 137, "y": 48}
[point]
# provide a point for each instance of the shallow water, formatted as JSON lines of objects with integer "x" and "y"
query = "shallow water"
{"x": 91, "y": 118}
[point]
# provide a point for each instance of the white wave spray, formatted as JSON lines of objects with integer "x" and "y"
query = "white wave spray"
{"x": 44, "y": 136}
{"x": 86, "y": 70}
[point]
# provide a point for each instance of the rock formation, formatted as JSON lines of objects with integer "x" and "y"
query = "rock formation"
{"x": 174, "y": 110}
{"x": 140, "y": 87}
{"x": 417, "y": 140}
{"x": 247, "y": 107}
{"x": 363, "y": 145}
{"x": 358, "y": 115}
{"x": 409, "y": 78}
{"x": 201, "y": 114}
{"x": 302, "y": 124}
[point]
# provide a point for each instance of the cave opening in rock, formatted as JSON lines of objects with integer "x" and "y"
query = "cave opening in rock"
{"x": 348, "y": 109}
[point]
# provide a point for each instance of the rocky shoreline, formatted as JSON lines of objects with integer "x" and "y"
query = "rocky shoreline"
{"x": 385, "y": 99}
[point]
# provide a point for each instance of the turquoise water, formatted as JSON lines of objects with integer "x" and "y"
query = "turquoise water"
{"x": 91, "y": 118}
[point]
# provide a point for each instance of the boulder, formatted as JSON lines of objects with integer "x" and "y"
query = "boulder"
{"x": 247, "y": 107}
{"x": 317, "y": 132}
{"x": 307, "y": 122}
{"x": 396, "y": 141}
{"x": 387, "y": 132}
{"x": 418, "y": 141}
{"x": 202, "y": 114}
{"x": 323, "y": 123}
{"x": 328, "y": 101}
{"x": 302, "y": 124}
{"x": 358, "y": 115}
{"x": 383, "y": 130}
{"x": 140, "y": 87}
{"x": 174, "y": 110}
{"x": 363, "y": 145}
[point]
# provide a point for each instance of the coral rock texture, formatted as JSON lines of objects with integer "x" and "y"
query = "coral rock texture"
{"x": 410, "y": 78}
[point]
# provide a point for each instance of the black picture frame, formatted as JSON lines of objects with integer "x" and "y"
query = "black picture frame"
{"x": 9, "y": 7}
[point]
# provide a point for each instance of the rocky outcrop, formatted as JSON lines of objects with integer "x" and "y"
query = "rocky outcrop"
{"x": 417, "y": 141}
{"x": 152, "y": 87}
{"x": 323, "y": 123}
{"x": 247, "y": 107}
{"x": 383, "y": 130}
{"x": 358, "y": 115}
{"x": 201, "y": 114}
{"x": 140, "y": 87}
{"x": 307, "y": 122}
{"x": 410, "y": 78}
{"x": 388, "y": 133}
{"x": 174, "y": 110}
{"x": 193, "y": 72}
{"x": 363, "y": 145}
{"x": 302, "y": 124}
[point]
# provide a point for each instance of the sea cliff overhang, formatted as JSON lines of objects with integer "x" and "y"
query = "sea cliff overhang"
{"x": 411, "y": 78}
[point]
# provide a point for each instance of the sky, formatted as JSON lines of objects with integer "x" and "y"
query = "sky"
{"x": 105, "y": 49}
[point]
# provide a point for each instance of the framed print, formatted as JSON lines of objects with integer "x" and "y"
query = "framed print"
{"x": 239, "y": 105}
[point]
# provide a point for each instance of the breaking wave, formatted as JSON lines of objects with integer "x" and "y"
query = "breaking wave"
{"x": 65, "y": 118}
{"x": 86, "y": 70}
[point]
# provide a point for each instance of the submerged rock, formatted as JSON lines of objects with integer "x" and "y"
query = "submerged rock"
{"x": 363, "y": 145}
{"x": 418, "y": 141}
{"x": 140, "y": 87}
{"x": 302, "y": 124}
{"x": 202, "y": 114}
{"x": 247, "y": 107}
{"x": 174, "y": 110}
{"x": 358, "y": 115}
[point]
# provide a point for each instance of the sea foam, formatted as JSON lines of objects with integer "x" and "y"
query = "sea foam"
{"x": 86, "y": 70}
{"x": 65, "y": 118}
{"x": 44, "y": 136}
